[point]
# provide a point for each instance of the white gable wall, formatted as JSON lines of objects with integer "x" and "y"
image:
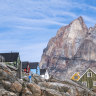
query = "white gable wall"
{"x": 45, "y": 76}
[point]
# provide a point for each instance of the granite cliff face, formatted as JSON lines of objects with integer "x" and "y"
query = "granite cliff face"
{"x": 72, "y": 49}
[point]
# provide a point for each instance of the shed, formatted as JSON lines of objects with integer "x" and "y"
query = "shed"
{"x": 44, "y": 74}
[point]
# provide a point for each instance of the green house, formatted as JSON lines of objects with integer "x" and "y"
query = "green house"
{"x": 89, "y": 79}
{"x": 12, "y": 58}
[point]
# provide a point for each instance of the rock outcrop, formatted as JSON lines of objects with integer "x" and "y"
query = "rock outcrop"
{"x": 52, "y": 87}
{"x": 72, "y": 49}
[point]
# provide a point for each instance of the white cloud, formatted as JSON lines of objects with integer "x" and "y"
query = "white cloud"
{"x": 32, "y": 52}
{"x": 27, "y": 19}
{"x": 89, "y": 19}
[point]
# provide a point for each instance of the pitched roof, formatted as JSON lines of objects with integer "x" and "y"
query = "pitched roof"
{"x": 42, "y": 71}
{"x": 24, "y": 65}
{"x": 10, "y": 57}
{"x": 32, "y": 65}
{"x": 87, "y": 71}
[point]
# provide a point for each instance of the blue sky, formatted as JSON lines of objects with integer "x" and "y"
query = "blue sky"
{"x": 27, "y": 25}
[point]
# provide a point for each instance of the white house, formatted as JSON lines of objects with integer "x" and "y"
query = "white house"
{"x": 44, "y": 74}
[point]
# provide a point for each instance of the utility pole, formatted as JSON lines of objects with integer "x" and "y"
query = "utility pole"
{"x": 19, "y": 71}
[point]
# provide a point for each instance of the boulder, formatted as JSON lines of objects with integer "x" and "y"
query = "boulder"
{"x": 50, "y": 92}
{"x": 4, "y": 92}
{"x": 35, "y": 89}
{"x": 26, "y": 92}
{"x": 6, "y": 84}
{"x": 65, "y": 88}
{"x": 20, "y": 81}
{"x": 6, "y": 74}
{"x": 36, "y": 78}
{"x": 55, "y": 86}
{"x": 16, "y": 87}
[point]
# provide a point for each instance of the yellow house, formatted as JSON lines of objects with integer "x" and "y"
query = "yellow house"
{"x": 75, "y": 76}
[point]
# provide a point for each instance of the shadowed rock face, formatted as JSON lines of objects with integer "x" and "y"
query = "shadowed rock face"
{"x": 72, "y": 44}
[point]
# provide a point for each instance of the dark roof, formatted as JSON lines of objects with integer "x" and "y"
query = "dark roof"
{"x": 10, "y": 57}
{"x": 42, "y": 71}
{"x": 32, "y": 65}
{"x": 24, "y": 65}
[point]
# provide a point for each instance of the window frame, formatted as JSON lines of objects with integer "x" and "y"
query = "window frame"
{"x": 89, "y": 73}
{"x": 84, "y": 83}
{"x": 94, "y": 83}
{"x": 75, "y": 78}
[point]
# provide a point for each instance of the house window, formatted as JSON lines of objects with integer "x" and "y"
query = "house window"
{"x": 84, "y": 83}
{"x": 94, "y": 83}
{"x": 75, "y": 77}
{"x": 89, "y": 74}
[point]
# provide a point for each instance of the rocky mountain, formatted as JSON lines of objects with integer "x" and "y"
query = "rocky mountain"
{"x": 10, "y": 85}
{"x": 73, "y": 49}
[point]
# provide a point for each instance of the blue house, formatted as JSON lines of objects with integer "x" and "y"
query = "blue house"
{"x": 34, "y": 67}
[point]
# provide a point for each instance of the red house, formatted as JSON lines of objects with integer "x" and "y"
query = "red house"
{"x": 26, "y": 66}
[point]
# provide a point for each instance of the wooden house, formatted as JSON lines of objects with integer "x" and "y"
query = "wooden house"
{"x": 75, "y": 76}
{"x": 88, "y": 79}
{"x": 44, "y": 74}
{"x": 12, "y": 58}
{"x": 30, "y": 66}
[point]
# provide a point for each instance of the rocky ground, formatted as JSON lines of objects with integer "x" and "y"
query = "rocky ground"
{"x": 10, "y": 85}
